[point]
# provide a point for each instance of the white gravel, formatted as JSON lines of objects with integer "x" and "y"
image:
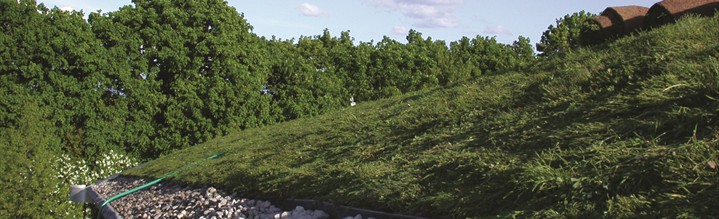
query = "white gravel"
{"x": 171, "y": 200}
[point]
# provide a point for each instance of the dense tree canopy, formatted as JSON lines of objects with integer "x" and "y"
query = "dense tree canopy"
{"x": 52, "y": 71}
{"x": 161, "y": 75}
{"x": 196, "y": 66}
{"x": 565, "y": 36}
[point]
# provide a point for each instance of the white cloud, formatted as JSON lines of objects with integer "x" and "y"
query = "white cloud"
{"x": 497, "y": 30}
{"x": 70, "y": 5}
{"x": 67, "y": 8}
{"x": 308, "y": 9}
{"x": 432, "y": 2}
{"x": 426, "y": 13}
{"x": 438, "y": 22}
{"x": 400, "y": 31}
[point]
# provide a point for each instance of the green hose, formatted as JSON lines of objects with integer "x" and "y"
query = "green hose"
{"x": 171, "y": 174}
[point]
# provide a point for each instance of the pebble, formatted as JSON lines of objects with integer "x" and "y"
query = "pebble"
{"x": 209, "y": 211}
{"x": 170, "y": 200}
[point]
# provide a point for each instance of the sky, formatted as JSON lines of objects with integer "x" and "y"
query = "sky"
{"x": 370, "y": 20}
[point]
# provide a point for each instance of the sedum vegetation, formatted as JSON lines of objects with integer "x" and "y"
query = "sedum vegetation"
{"x": 621, "y": 130}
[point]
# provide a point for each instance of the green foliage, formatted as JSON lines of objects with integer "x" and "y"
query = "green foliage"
{"x": 565, "y": 36}
{"x": 304, "y": 80}
{"x": 57, "y": 59}
{"x": 484, "y": 55}
{"x": 195, "y": 70}
{"x": 626, "y": 130}
{"x": 162, "y": 75}
{"x": 29, "y": 187}
{"x": 524, "y": 53}
{"x": 158, "y": 76}
{"x": 319, "y": 74}
{"x": 36, "y": 173}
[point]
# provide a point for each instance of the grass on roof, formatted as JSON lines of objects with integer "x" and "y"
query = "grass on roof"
{"x": 620, "y": 130}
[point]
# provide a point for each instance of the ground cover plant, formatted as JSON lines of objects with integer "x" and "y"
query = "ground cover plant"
{"x": 620, "y": 130}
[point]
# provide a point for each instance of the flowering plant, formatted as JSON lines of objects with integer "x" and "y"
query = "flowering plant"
{"x": 78, "y": 171}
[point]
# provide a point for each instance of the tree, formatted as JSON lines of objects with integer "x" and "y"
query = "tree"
{"x": 565, "y": 36}
{"x": 463, "y": 62}
{"x": 386, "y": 68}
{"x": 308, "y": 77}
{"x": 56, "y": 56}
{"x": 29, "y": 187}
{"x": 197, "y": 71}
{"x": 350, "y": 66}
{"x": 293, "y": 74}
{"x": 424, "y": 61}
{"x": 524, "y": 52}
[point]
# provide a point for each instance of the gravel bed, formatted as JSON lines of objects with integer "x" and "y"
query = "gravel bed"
{"x": 172, "y": 200}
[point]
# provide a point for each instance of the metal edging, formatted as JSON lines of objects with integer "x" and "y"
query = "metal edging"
{"x": 107, "y": 211}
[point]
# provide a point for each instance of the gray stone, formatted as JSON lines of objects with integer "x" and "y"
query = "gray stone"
{"x": 174, "y": 201}
{"x": 222, "y": 203}
{"x": 208, "y": 212}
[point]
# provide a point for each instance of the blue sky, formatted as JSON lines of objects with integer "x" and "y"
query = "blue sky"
{"x": 368, "y": 20}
